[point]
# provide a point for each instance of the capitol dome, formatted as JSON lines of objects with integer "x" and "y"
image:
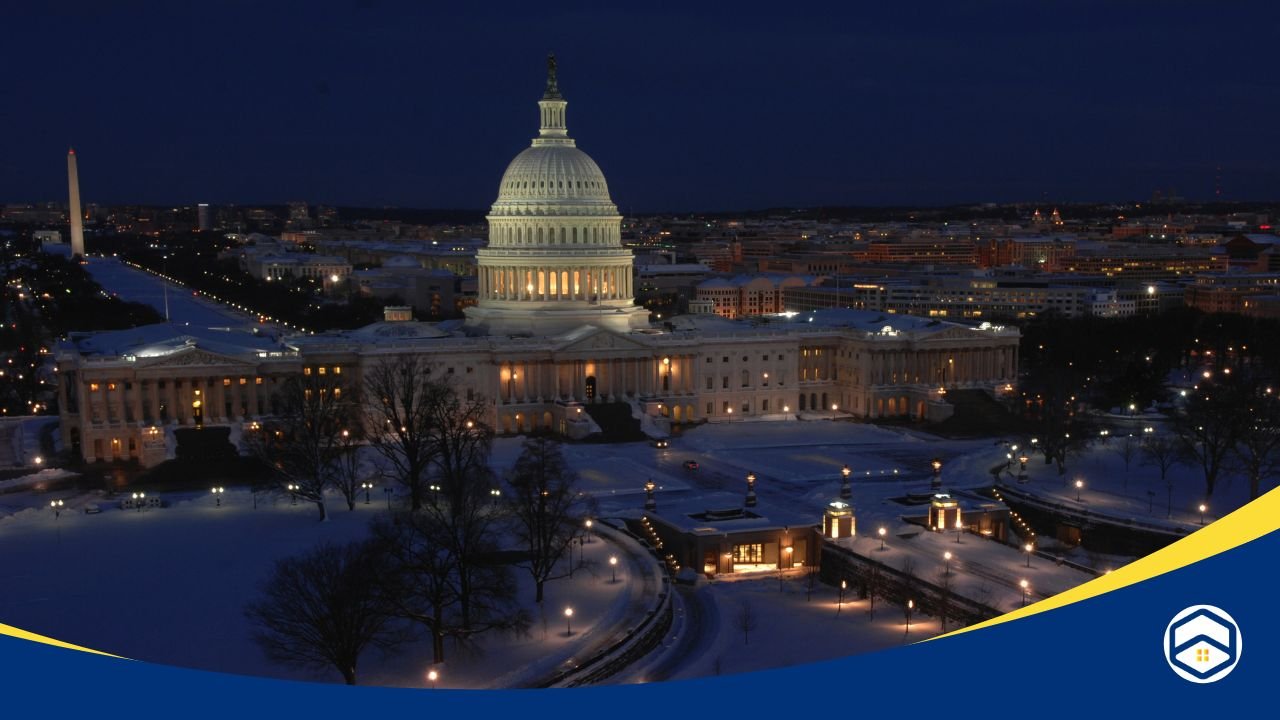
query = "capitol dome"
{"x": 555, "y": 259}
{"x": 552, "y": 174}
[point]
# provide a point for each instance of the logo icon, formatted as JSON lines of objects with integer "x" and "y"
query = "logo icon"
{"x": 1202, "y": 644}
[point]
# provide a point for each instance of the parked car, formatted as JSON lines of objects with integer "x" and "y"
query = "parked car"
{"x": 690, "y": 464}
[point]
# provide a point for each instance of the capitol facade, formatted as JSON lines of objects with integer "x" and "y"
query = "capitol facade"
{"x": 555, "y": 335}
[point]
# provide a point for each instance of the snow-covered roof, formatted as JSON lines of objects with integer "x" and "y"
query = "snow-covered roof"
{"x": 165, "y": 338}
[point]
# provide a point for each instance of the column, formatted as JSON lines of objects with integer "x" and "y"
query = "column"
{"x": 136, "y": 401}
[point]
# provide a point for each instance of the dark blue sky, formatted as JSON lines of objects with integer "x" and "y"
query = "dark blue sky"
{"x": 729, "y": 107}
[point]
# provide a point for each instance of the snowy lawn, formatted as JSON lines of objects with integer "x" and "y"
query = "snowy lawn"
{"x": 169, "y": 585}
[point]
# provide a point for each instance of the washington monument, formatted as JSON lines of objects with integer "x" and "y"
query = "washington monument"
{"x": 77, "y": 218}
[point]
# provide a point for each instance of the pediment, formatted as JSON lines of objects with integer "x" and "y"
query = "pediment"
{"x": 601, "y": 339}
{"x": 193, "y": 356}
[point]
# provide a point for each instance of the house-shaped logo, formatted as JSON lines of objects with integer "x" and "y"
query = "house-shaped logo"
{"x": 1202, "y": 644}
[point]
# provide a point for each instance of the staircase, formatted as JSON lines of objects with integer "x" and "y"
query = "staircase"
{"x": 976, "y": 414}
{"x": 615, "y": 421}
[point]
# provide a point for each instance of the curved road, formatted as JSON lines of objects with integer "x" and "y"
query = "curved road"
{"x": 697, "y": 635}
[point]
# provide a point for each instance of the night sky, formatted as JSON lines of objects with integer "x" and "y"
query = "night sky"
{"x": 787, "y": 104}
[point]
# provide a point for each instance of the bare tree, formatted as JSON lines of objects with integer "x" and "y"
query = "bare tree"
{"x": 1128, "y": 449}
{"x": 1257, "y": 451}
{"x": 460, "y": 443}
{"x": 1208, "y": 429}
{"x": 348, "y": 472}
{"x": 421, "y": 581}
{"x": 873, "y": 586}
{"x": 400, "y": 395}
{"x": 320, "y": 610}
{"x": 546, "y": 507}
{"x": 1163, "y": 451}
{"x": 746, "y": 621}
{"x": 304, "y": 440}
{"x": 943, "y": 582}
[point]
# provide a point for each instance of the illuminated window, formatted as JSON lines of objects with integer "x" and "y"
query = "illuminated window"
{"x": 306, "y": 371}
{"x": 257, "y": 381}
{"x": 337, "y": 369}
{"x": 321, "y": 368}
{"x": 337, "y": 392}
{"x": 244, "y": 381}
{"x": 111, "y": 386}
{"x": 226, "y": 382}
{"x": 752, "y": 553}
{"x": 93, "y": 387}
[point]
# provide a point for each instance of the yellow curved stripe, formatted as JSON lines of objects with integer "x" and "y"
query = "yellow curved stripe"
{"x": 1247, "y": 524}
{"x": 24, "y": 635}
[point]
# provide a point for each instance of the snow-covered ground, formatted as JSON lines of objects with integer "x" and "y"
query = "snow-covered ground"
{"x": 169, "y": 585}
{"x": 130, "y": 582}
{"x": 1137, "y": 493}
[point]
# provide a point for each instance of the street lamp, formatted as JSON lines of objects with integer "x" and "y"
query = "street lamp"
{"x": 666, "y": 371}
{"x": 613, "y": 566}
{"x": 650, "y": 503}
{"x": 367, "y": 487}
{"x": 947, "y": 556}
{"x": 751, "y": 489}
{"x": 1203, "y": 507}
{"x": 1028, "y": 548}
{"x": 881, "y": 533}
{"x": 568, "y": 621}
{"x": 57, "y": 506}
{"x": 495, "y": 493}
{"x": 1079, "y": 485}
{"x": 293, "y": 493}
{"x": 846, "y": 491}
{"x": 588, "y": 524}
{"x": 959, "y": 529}
{"x": 1024, "y": 584}
{"x": 937, "y": 472}
{"x": 1023, "y": 459}
{"x": 911, "y": 605}
{"x": 432, "y": 677}
{"x": 138, "y": 497}
{"x": 217, "y": 495}
{"x": 844, "y": 584}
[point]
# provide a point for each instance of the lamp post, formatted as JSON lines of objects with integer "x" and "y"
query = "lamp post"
{"x": 432, "y": 677}
{"x": 1024, "y": 585}
{"x": 844, "y": 584}
{"x": 613, "y": 567}
{"x": 959, "y": 529}
{"x": 751, "y": 489}
{"x": 588, "y": 523}
{"x": 911, "y": 605}
{"x": 666, "y": 373}
{"x": 138, "y": 498}
{"x": 1203, "y": 507}
{"x": 57, "y": 506}
{"x": 1022, "y": 472}
{"x": 1079, "y": 485}
{"x": 947, "y": 556}
{"x": 937, "y": 473}
{"x": 367, "y": 487}
{"x": 217, "y": 495}
{"x": 568, "y": 621}
{"x": 293, "y": 493}
{"x": 511, "y": 385}
{"x": 650, "y": 503}
{"x": 495, "y": 493}
{"x": 881, "y": 532}
{"x": 846, "y": 491}
{"x": 1028, "y": 548}
{"x": 388, "y": 491}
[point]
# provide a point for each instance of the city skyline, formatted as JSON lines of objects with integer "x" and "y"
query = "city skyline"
{"x": 861, "y": 109}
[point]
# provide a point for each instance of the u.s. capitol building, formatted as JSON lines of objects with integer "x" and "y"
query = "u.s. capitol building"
{"x": 555, "y": 331}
